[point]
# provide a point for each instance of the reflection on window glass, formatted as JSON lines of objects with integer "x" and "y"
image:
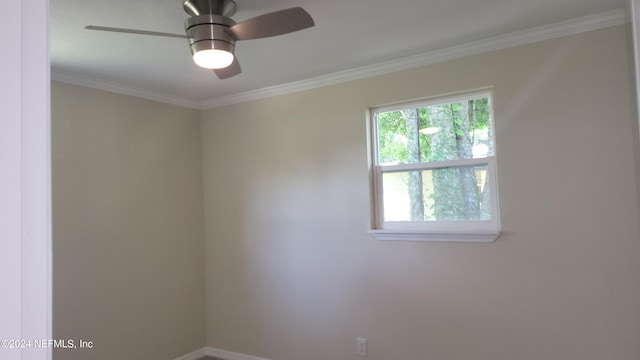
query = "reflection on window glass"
{"x": 447, "y": 131}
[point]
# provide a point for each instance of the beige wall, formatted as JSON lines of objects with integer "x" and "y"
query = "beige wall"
{"x": 127, "y": 226}
{"x": 292, "y": 273}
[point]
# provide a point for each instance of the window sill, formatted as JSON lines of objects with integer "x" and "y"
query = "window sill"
{"x": 477, "y": 236}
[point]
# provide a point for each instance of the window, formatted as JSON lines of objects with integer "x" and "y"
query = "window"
{"x": 435, "y": 171}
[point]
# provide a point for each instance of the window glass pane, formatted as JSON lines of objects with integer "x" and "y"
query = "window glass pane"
{"x": 447, "y": 131}
{"x": 447, "y": 194}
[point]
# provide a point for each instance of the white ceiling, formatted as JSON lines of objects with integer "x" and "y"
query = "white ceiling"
{"x": 348, "y": 34}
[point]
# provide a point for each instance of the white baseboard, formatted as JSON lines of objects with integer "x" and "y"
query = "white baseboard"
{"x": 196, "y": 355}
{"x": 228, "y": 355}
{"x": 218, "y": 353}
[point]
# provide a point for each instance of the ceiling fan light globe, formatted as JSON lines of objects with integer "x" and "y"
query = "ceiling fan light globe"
{"x": 213, "y": 58}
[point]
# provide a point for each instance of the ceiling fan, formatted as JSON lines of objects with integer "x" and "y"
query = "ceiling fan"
{"x": 212, "y": 34}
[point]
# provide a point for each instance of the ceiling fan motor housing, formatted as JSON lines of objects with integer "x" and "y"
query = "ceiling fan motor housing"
{"x": 209, "y": 31}
{"x": 216, "y": 7}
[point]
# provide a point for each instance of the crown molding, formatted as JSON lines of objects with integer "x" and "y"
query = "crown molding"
{"x": 556, "y": 30}
{"x": 119, "y": 88}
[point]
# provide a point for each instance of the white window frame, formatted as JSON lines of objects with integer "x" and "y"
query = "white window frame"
{"x": 454, "y": 231}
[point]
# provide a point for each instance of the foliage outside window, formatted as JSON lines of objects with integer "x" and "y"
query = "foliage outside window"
{"x": 435, "y": 175}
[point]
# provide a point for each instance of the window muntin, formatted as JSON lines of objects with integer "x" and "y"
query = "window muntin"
{"x": 434, "y": 164}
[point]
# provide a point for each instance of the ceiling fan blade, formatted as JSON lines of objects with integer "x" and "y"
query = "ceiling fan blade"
{"x": 272, "y": 24}
{"x": 231, "y": 70}
{"x": 133, "y": 31}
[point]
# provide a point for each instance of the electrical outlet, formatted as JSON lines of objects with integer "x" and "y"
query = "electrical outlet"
{"x": 361, "y": 346}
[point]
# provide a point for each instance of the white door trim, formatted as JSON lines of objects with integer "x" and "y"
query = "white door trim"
{"x": 25, "y": 180}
